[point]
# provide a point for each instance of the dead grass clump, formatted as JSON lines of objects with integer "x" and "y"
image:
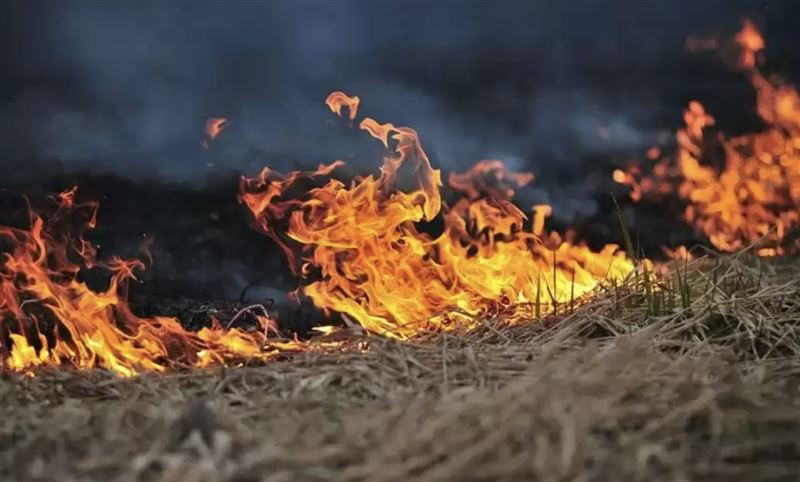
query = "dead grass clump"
{"x": 701, "y": 384}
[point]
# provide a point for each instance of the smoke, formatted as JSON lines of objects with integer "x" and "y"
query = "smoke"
{"x": 126, "y": 87}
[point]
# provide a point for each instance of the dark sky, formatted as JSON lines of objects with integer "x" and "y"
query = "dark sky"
{"x": 126, "y": 86}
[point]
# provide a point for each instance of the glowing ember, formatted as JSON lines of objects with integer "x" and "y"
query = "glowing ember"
{"x": 754, "y": 196}
{"x": 363, "y": 251}
{"x": 49, "y": 317}
{"x": 214, "y": 127}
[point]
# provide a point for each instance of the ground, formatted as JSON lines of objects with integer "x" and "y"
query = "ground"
{"x": 697, "y": 380}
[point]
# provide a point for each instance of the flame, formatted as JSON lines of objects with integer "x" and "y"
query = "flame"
{"x": 754, "y": 194}
{"x": 337, "y": 100}
{"x": 48, "y": 317}
{"x": 486, "y": 176}
{"x": 751, "y": 43}
{"x": 214, "y": 126}
{"x": 363, "y": 250}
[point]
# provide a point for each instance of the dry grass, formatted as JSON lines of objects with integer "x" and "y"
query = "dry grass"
{"x": 696, "y": 380}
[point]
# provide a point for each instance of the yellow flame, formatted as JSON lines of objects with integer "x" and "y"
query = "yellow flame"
{"x": 53, "y": 318}
{"x": 363, "y": 252}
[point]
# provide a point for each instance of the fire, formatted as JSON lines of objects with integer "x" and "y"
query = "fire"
{"x": 337, "y": 100}
{"x": 214, "y": 127}
{"x": 754, "y": 193}
{"x": 48, "y": 317}
{"x": 367, "y": 250}
{"x": 751, "y": 43}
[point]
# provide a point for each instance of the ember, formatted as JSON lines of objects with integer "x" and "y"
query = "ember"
{"x": 214, "y": 127}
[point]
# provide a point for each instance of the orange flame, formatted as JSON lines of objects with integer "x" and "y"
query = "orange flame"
{"x": 363, "y": 252}
{"x": 485, "y": 176}
{"x": 49, "y": 317}
{"x": 751, "y": 43}
{"x": 755, "y": 195}
{"x": 337, "y": 100}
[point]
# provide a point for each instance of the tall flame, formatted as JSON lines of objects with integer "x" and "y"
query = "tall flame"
{"x": 364, "y": 251}
{"x": 48, "y": 316}
{"x": 755, "y": 194}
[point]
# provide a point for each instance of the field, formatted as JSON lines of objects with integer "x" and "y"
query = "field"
{"x": 693, "y": 377}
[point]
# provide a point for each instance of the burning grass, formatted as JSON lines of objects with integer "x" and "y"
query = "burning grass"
{"x": 738, "y": 189}
{"x": 361, "y": 251}
{"x": 395, "y": 255}
{"x": 623, "y": 387}
{"x": 494, "y": 350}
